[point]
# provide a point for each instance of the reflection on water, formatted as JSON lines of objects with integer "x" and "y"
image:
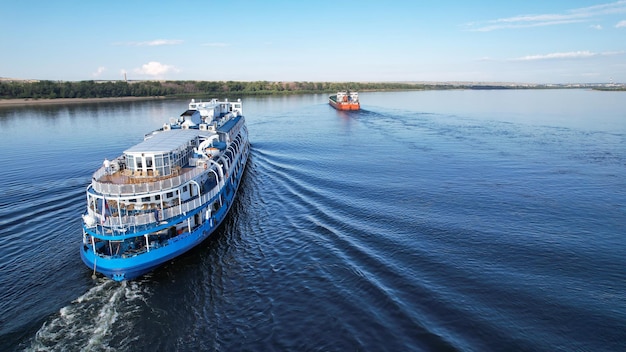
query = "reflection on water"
{"x": 435, "y": 220}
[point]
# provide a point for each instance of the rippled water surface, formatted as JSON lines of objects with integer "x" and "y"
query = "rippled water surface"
{"x": 427, "y": 221}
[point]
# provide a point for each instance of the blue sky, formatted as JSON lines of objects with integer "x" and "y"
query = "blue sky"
{"x": 534, "y": 41}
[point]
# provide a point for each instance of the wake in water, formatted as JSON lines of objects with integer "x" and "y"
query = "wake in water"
{"x": 435, "y": 221}
{"x": 96, "y": 321}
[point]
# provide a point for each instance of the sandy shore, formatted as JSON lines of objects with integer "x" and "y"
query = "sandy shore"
{"x": 14, "y": 102}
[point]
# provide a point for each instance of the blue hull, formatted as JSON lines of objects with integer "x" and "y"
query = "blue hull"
{"x": 166, "y": 194}
{"x": 120, "y": 269}
{"x": 127, "y": 269}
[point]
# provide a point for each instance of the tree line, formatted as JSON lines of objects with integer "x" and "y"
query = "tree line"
{"x": 106, "y": 89}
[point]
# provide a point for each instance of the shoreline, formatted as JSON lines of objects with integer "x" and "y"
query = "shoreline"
{"x": 58, "y": 101}
{"x": 30, "y": 101}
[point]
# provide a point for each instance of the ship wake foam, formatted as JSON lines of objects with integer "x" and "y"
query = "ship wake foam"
{"x": 99, "y": 320}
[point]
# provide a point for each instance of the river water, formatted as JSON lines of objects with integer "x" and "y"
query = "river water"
{"x": 428, "y": 221}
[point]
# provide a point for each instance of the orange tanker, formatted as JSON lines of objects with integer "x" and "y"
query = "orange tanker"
{"x": 345, "y": 101}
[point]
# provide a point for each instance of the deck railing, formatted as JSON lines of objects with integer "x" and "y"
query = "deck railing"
{"x": 144, "y": 187}
{"x": 119, "y": 225}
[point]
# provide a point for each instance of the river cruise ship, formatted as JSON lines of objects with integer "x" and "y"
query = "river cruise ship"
{"x": 166, "y": 194}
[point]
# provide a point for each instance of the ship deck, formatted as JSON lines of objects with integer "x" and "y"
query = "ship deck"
{"x": 127, "y": 177}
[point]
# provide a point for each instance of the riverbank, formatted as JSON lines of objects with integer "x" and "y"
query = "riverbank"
{"x": 20, "y": 102}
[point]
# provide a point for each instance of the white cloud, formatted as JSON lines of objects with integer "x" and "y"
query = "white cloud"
{"x": 156, "y": 42}
{"x": 566, "y": 55}
{"x": 155, "y": 69}
{"x": 552, "y": 56}
{"x": 621, "y": 24}
{"x": 160, "y": 42}
{"x": 511, "y": 25}
{"x": 602, "y": 9}
{"x": 596, "y": 26}
{"x": 569, "y": 16}
{"x": 98, "y": 71}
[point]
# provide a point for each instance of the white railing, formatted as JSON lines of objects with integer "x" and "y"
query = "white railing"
{"x": 144, "y": 187}
{"x": 116, "y": 225}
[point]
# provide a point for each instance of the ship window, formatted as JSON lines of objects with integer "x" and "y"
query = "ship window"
{"x": 157, "y": 197}
{"x": 149, "y": 162}
{"x": 139, "y": 163}
{"x": 130, "y": 162}
{"x": 133, "y": 200}
{"x": 184, "y": 188}
{"x": 166, "y": 164}
{"x": 169, "y": 195}
{"x": 158, "y": 162}
{"x": 145, "y": 199}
